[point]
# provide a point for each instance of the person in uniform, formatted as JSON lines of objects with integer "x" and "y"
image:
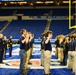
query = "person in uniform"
{"x": 10, "y": 46}
{"x": 65, "y": 50}
{"x": 42, "y": 48}
{"x": 27, "y": 54}
{"x": 5, "y": 46}
{"x": 47, "y": 53}
{"x": 22, "y": 50}
{"x": 31, "y": 41}
{"x": 57, "y": 45}
{"x": 71, "y": 52}
{"x": 1, "y": 48}
{"x": 74, "y": 55}
{"x": 61, "y": 54}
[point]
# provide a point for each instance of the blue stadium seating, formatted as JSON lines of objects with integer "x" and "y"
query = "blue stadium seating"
{"x": 35, "y": 26}
{"x": 59, "y": 27}
{"x": 2, "y": 23}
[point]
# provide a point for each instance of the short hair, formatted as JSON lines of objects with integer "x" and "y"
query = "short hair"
{"x": 32, "y": 35}
{"x": 44, "y": 34}
{"x": 29, "y": 32}
{"x": 49, "y": 32}
{"x": 22, "y": 30}
{"x": 71, "y": 36}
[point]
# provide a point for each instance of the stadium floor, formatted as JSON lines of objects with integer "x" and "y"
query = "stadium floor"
{"x": 11, "y": 65}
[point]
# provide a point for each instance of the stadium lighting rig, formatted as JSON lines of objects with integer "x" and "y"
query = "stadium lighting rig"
{"x": 37, "y": 2}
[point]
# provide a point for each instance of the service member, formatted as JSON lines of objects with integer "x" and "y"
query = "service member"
{"x": 47, "y": 53}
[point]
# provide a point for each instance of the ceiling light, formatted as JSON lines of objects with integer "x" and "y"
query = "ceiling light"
{"x": 65, "y": 1}
{"x": 39, "y": 2}
{"x": 48, "y": 1}
{"x": 74, "y": 1}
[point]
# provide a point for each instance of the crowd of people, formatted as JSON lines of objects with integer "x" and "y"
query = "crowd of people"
{"x": 3, "y": 47}
{"x": 66, "y": 50}
{"x": 26, "y": 49}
